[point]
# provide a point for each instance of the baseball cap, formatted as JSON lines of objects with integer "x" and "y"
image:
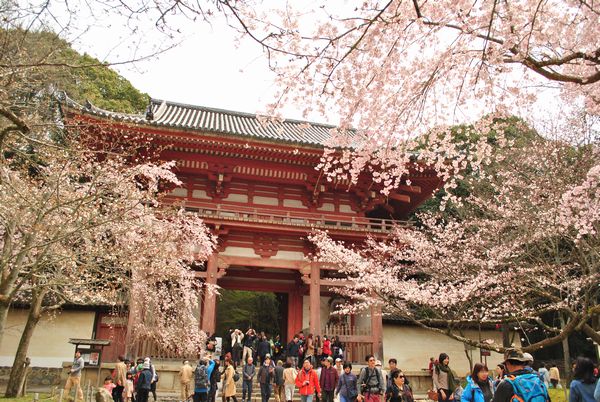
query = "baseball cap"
{"x": 338, "y": 360}
{"x": 329, "y": 359}
{"x": 378, "y": 363}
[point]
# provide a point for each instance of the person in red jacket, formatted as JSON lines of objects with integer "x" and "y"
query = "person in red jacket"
{"x": 326, "y": 346}
{"x": 307, "y": 382}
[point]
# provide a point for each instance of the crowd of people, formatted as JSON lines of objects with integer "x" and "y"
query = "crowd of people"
{"x": 315, "y": 370}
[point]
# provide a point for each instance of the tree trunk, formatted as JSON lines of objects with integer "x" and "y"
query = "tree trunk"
{"x": 506, "y": 335}
{"x": 566, "y": 353}
{"x": 19, "y": 368}
{"x": 3, "y": 317}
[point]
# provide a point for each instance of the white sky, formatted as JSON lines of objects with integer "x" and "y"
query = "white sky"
{"x": 209, "y": 67}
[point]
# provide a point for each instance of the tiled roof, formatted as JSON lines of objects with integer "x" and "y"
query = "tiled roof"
{"x": 198, "y": 118}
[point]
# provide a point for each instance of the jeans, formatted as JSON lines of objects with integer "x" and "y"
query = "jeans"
{"x": 142, "y": 395}
{"x": 246, "y": 387}
{"x": 265, "y": 391}
{"x": 344, "y": 399}
{"x": 306, "y": 398}
{"x": 247, "y": 353}
{"x": 327, "y": 396}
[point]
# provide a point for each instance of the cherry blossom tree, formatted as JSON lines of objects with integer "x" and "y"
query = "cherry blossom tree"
{"x": 522, "y": 243}
{"x": 81, "y": 224}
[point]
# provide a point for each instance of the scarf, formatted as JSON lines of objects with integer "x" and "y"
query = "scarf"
{"x": 451, "y": 380}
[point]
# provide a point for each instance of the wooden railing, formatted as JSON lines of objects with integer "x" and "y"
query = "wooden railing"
{"x": 357, "y": 341}
{"x": 290, "y": 218}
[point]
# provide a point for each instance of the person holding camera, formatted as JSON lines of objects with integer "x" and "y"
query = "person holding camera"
{"x": 307, "y": 382}
{"x": 370, "y": 382}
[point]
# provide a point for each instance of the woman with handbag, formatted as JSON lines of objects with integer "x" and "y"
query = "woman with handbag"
{"x": 443, "y": 379}
{"x": 347, "y": 388}
{"x": 229, "y": 382}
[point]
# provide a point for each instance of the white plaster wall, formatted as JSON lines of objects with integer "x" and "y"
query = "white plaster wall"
{"x": 306, "y": 311}
{"x": 49, "y": 345}
{"x": 239, "y": 252}
{"x": 265, "y": 200}
{"x": 179, "y": 192}
{"x": 327, "y": 206}
{"x": 289, "y": 255}
{"x": 293, "y": 203}
{"x": 413, "y": 347}
{"x": 200, "y": 194}
{"x": 236, "y": 198}
{"x": 345, "y": 208}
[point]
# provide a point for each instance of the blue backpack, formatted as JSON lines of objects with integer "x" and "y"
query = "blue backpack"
{"x": 528, "y": 388}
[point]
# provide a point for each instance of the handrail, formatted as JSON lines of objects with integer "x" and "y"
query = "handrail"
{"x": 294, "y": 218}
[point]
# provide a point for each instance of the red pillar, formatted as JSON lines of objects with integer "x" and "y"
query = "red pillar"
{"x": 209, "y": 309}
{"x": 377, "y": 331}
{"x": 294, "y": 314}
{"x": 315, "y": 299}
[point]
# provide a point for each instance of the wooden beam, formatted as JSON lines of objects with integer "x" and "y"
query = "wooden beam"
{"x": 410, "y": 189}
{"x": 400, "y": 197}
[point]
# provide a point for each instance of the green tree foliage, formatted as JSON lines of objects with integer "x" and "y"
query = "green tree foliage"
{"x": 242, "y": 310}
{"x": 38, "y": 60}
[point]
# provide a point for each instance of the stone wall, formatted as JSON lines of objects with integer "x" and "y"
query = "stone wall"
{"x": 39, "y": 377}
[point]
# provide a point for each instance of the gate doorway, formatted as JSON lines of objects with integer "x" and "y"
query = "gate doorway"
{"x": 240, "y": 309}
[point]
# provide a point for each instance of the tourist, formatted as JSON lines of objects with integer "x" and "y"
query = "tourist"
{"x": 249, "y": 339}
{"x": 144, "y": 382}
{"x": 318, "y": 350}
{"x": 584, "y": 383}
{"x": 310, "y": 349}
{"x": 214, "y": 380}
{"x": 393, "y": 366}
{"x": 277, "y": 350}
{"x": 554, "y": 376}
{"x": 399, "y": 391}
{"x": 236, "y": 347}
{"x": 248, "y": 372}
{"x": 154, "y": 378}
{"x": 307, "y": 382}
{"x": 480, "y": 387}
{"x": 337, "y": 347}
{"x": 500, "y": 374}
{"x": 443, "y": 379}
{"x": 347, "y": 385}
{"x": 265, "y": 378}
{"x": 339, "y": 366}
{"x": 263, "y": 349}
{"x": 186, "y": 372}
{"x": 279, "y": 389}
{"x": 292, "y": 350}
{"x": 544, "y": 375}
{"x": 229, "y": 382}
{"x": 289, "y": 381}
{"x": 120, "y": 376}
{"x": 431, "y": 365}
{"x": 328, "y": 380}
{"x": 370, "y": 382}
{"x": 74, "y": 378}
{"x": 202, "y": 379}
{"x": 109, "y": 385}
{"x": 326, "y": 346}
{"x": 518, "y": 378}
{"x": 129, "y": 389}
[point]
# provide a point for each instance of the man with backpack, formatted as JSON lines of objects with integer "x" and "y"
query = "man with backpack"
{"x": 202, "y": 376}
{"x": 370, "y": 382}
{"x": 521, "y": 384}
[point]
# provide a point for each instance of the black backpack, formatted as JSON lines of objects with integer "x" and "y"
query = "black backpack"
{"x": 201, "y": 377}
{"x": 215, "y": 376}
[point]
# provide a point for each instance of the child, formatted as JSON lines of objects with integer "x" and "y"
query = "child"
{"x": 129, "y": 388}
{"x": 108, "y": 385}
